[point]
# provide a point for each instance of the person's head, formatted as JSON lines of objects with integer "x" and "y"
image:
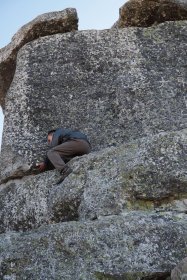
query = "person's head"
{"x": 50, "y": 136}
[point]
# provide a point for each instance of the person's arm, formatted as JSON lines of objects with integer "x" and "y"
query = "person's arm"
{"x": 55, "y": 139}
{"x": 45, "y": 165}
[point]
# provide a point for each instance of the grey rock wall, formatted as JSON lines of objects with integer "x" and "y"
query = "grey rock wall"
{"x": 114, "y": 85}
{"x": 148, "y": 174}
{"x": 121, "y": 213}
{"x": 132, "y": 246}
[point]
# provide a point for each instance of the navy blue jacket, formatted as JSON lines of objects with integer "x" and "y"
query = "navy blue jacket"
{"x": 62, "y": 135}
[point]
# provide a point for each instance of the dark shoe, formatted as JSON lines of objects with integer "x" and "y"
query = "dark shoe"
{"x": 64, "y": 173}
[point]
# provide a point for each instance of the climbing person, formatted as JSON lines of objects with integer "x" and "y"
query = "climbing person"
{"x": 64, "y": 145}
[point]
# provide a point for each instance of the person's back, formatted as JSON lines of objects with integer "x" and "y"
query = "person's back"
{"x": 61, "y": 135}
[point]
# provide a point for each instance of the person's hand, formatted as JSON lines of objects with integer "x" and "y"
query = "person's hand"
{"x": 41, "y": 166}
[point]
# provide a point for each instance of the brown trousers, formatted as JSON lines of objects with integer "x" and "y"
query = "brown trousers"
{"x": 64, "y": 152}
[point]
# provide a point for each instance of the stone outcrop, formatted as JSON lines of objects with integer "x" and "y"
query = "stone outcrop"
{"x": 115, "y": 92}
{"x": 122, "y": 212}
{"x": 144, "y": 13}
{"x": 148, "y": 174}
{"x": 123, "y": 209}
{"x": 43, "y": 25}
{"x": 132, "y": 246}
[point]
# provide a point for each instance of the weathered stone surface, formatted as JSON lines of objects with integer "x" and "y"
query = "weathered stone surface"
{"x": 24, "y": 203}
{"x": 148, "y": 174}
{"x": 144, "y": 13}
{"x": 43, "y": 25}
{"x": 124, "y": 206}
{"x": 130, "y": 246}
{"x": 180, "y": 271}
{"x": 115, "y": 85}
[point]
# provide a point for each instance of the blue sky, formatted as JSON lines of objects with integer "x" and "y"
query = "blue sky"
{"x": 97, "y": 14}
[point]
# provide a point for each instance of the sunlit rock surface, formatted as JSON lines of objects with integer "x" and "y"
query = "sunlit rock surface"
{"x": 114, "y": 85}
{"x": 144, "y": 13}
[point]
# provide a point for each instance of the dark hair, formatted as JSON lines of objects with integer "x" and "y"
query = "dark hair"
{"x": 51, "y": 131}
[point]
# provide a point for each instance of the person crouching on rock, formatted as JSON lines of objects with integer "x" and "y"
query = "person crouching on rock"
{"x": 64, "y": 145}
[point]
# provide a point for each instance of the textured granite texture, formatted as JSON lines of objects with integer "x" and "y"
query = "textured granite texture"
{"x": 114, "y": 85}
{"x": 148, "y": 174}
{"x": 144, "y": 13}
{"x": 43, "y": 25}
{"x": 130, "y": 246}
{"x": 121, "y": 213}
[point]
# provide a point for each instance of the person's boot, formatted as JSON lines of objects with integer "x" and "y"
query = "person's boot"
{"x": 64, "y": 173}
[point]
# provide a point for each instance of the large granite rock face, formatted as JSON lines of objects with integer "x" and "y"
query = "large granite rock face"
{"x": 115, "y": 85}
{"x": 131, "y": 246}
{"x": 46, "y": 24}
{"x": 121, "y": 213}
{"x": 148, "y": 174}
{"x": 124, "y": 212}
{"x": 144, "y": 13}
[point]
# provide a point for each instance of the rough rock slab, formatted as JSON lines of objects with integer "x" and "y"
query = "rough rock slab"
{"x": 144, "y": 13}
{"x": 180, "y": 271}
{"x": 147, "y": 174}
{"x": 114, "y": 85}
{"x": 43, "y": 25}
{"x": 134, "y": 244}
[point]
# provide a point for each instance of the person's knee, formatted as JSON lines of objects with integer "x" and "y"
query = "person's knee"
{"x": 50, "y": 153}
